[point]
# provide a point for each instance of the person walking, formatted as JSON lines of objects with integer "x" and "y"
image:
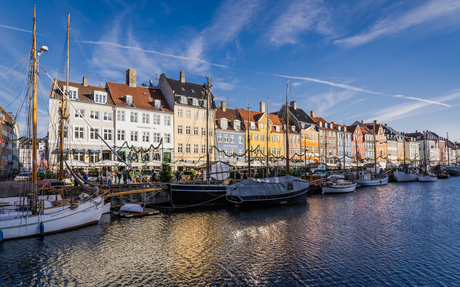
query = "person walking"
{"x": 129, "y": 177}
{"x": 125, "y": 177}
{"x": 118, "y": 176}
{"x": 100, "y": 178}
{"x": 109, "y": 177}
{"x": 85, "y": 176}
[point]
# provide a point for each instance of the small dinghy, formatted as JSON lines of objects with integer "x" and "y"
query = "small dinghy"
{"x": 134, "y": 210}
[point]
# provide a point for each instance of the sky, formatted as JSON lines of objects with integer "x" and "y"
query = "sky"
{"x": 393, "y": 61}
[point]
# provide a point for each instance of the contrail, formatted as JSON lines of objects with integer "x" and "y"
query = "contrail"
{"x": 17, "y": 29}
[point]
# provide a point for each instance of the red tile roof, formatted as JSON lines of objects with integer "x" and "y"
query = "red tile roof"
{"x": 84, "y": 92}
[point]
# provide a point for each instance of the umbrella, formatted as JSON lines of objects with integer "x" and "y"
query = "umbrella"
{"x": 108, "y": 162}
{"x": 78, "y": 163}
{"x": 136, "y": 164}
{"x": 182, "y": 163}
{"x": 154, "y": 163}
{"x": 241, "y": 164}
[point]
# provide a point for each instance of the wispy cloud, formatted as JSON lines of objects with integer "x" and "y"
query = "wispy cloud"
{"x": 427, "y": 12}
{"x": 298, "y": 18}
{"x": 325, "y": 101}
{"x": 14, "y": 28}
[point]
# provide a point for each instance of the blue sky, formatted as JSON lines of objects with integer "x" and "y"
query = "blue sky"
{"x": 394, "y": 61}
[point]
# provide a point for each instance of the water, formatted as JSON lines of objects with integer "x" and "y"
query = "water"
{"x": 400, "y": 234}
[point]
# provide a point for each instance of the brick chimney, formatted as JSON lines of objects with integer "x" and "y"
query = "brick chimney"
{"x": 182, "y": 77}
{"x": 131, "y": 78}
{"x": 262, "y": 107}
{"x": 312, "y": 113}
{"x": 85, "y": 81}
{"x": 222, "y": 106}
{"x": 294, "y": 105}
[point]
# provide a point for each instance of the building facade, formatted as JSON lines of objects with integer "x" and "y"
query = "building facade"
{"x": 230, "y": 136}
{"x": 9, "y": 153}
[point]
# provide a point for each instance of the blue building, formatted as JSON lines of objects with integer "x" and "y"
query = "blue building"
{"x": 230, "y": 138}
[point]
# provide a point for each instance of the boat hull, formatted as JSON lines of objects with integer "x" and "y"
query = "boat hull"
{"x": 339, "y": 189}
{"x": 54, "y": 221}
{"x": 373, "y": 182}
{"x": 401, "y": 176}
{"x": 187, "y": 195}
{"x": 427, "y": 178}
{"x": 295, "y": 197}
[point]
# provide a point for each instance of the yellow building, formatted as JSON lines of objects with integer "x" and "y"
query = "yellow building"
{"x": 310, "y": 144}
{"x": 256, "y": 125}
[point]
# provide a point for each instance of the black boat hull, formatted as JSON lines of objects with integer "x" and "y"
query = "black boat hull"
{"x": 267, "y": 201}
{"x": 188, "y": 195}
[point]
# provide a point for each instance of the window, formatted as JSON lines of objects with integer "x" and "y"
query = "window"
{"x": 179, "y": 129}
{"x": 278, "y": 151}
{"x": 195, "y": 114}
{"x": 273, "y": 138}
{"x": 203, "y": 115}
{"x": 232, "y": 139}
{"x": 183, "y": 100}
{"x": 226, "y": 152}
{"x": 92, "y": 134}
{"x": 195, "y": 102}
{"x": 236, "y": 125}
{"x": 156, "y": 119}
{"x": 262, "y": 137}
{"x": 195, "y": 148}
{"x": 250, "y": 136}
{"x": 187, "y": 114}
{"x": 187, "y": 148}
{"x": 256, "y": 137}
{"x": 145, "y": 118}
{"x": 187, "y": 130}
{"x": 121, "y": 116}
{"x": 273, "y": 150}
{"x": 179, "y": 147}
{"x": 240, "y": 139}
{"x": 167, "y": 138}
{"x": 120, "y": 135}
{"x": 179, "y": 113}
{"x": 203, "y": 148}
{"x": 156, "y": 137}
{"x": 219, "y": 138}
{"x": 262, "y": 149}
{"x": 94, "y": 115}
{"x": 203, "y": 131}
{"x": 79, "y": 133}
{"x": 232, "y": 152}
{"x": 210, "y": 132}
{"x": 278, "y": 139}
{"x": 107, "y": 134}
{"x": 107, "y": 116}
{"x": 225, "y": 138}
{"x": 99, "y": 98}
{"x": 77, "y": 114}
{"x": 145, "y": 137}
{"x": 253, "y": 126}
{"x": 133, "y": 117}
{"x": 133, "y": 136}
{"x": 167, "y": 120}
{"x": 195, "y": 131}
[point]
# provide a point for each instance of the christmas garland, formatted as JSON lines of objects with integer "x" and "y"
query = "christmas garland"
{"x": 140, "y": 149}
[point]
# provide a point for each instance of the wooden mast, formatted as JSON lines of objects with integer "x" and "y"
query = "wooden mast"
{"x": 34, "y": 114}
{"x": 64, "y": 107}
{"x": 447, "y": 148}
{"x": 249, "y": 145}
{"x": 268, "y": 134}
{"x": 208, "y": 95}
{"x": 375, "y": 148}
{"x": 287, "y": 128}
{"x": 344, "y": 129}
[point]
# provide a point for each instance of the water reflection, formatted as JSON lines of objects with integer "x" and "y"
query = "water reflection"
{"x": 400, "y": 234}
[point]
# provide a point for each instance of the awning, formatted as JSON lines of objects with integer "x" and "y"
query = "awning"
{"x": 78, "y": 150}
{"x": 94, "y": 151}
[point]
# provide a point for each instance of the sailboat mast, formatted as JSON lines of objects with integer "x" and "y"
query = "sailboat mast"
{"x": 424, "y": 154}
{"x": 447, "y": 148}
{"x": 344, "y": 129}
{"x": 375, "y": 148}
{"x": 249, "y": 146}
{"x": 268, "y": 135}
{"x": 208, "y": 95}
{"x": 404, "y": 143}
{"x": 64, "y": 107}
{"x": 34, "y": 110}
{"x": 287, "y": 128}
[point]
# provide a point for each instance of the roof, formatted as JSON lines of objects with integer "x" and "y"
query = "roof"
{"x": 189, "y": 90}
{"x": 143, "y": 97}
{"x": 229, "y": 114}
{"x": 301, "y": 115}
{"x": 84, "y": 92}
{"x": 352, "y": 129}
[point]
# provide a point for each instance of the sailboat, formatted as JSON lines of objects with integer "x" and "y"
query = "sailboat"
{"x": 426, "y": 176}
{"x": 375, "y": 178}
{"x": 44, "y": 216}
{"x": 273, "y": 190}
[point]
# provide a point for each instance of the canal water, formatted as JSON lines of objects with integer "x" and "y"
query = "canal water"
{"x": 403, "y": 234}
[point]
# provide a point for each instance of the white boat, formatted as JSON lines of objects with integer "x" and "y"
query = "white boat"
{"x": 427, "y": 177}
{"x": 64, "y": 216}
{"x": 337, "y": 184}
{"x": 107, "y": 207}
{"x": 371, "y": 179}
{"x": 402, "y": 176}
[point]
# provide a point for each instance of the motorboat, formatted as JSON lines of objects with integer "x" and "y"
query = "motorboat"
{"x": 371, "y": 179}
{"x": 336, "y": 183}
{"x": 405, "y": 176}
{"x": 427, "y": 177}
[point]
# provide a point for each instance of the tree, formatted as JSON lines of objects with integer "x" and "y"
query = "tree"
{"x": 165, "y": 173}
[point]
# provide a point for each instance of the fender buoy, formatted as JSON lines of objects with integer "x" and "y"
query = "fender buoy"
{"x": 42, "y": 228}
{"x": 1, "y": 236}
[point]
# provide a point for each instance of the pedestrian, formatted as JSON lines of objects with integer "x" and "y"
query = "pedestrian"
{"x": 85, "y": 176}
{"x": 177, "y": 175}
{"x": 125, "y": 177}
{"x": 109, "y": 177}
{"x": 99, "y": 177}
{"x": 129, "y": 177}
{"x": 118, "y": 176}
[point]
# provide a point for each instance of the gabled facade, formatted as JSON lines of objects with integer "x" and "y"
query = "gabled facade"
{"x": 188, "y": 102}
{"x": 9, "y": 156}
{"x": 379, "y": 144}
{"x": 358, "y": 149}
{"x": 327, "y": 140}
{"x": 412, "y": 152}
{"x": 143, "y": 120}
{"x": 343, "y": 144}
{"x": 230, "y": 135}
{"x": 395, "y": 144}
{"x": 427, "y": 147}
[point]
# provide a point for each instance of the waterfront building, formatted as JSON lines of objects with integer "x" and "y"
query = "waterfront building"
{"x": 80, "y": 140}
{"x": 143, "y": 120}
{"x": 380, "y": 142}
{"x": 343, "y": 144}
{"x": 451, "y": 152}
{"x": 308, "y": 130}
{"x": 395, "y": 145}
{"x": 412, "y": 150}
{"x": 25, "y": 153}
{"x": 188, "y": 102}
{"x": 358, "y": 149}
{"x": 230, "y": 136}
{"x": 9, "y": 155}
{"x": 427, "y": 147}
{"x": 256, "y": 124}
{"x": 294, "y": 140}
{"x": 327, "y": 140}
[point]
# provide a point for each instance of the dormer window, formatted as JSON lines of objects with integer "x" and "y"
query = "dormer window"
{"x": 204, "y": 103}
{"x": 100, "y": 97}
{"x": 293, "y": 128}
{"x": 253, "y": 125}
{"x": 195, "y": 102}
{"x": 182, "y": 88}
{"x": 193, "y": 91}
{"x": 236, "y": 125}
{"x": 158, "y": 104}
{"x": 183, "y": 100}
{"x": 129, "y": 100}
{"x": 277, "y": 128}
{"x": 223, "y": 124}
{"x": 73, "y": 93}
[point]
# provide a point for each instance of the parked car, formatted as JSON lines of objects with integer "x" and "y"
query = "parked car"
{"x": 22, "y": 176}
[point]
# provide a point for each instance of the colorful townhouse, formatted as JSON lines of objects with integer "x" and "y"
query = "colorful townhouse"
{"x": 230, "y": 136}
{"x": 343, "y": 144}
{"x": 395, "y": 145}
{"x": 308, "y": 130}
{"x": 189, "y": 103}
{"x": 358, "y": 149}
{"x": 327, "y": 140}
{"x": 294, "y": 140}
{"x": 376, "y": 141}
{"x": 9, "y": 155}
{"x": 143, "y": 120}
{"x": 412, "y": 150}
{"x": 427, "y": 146}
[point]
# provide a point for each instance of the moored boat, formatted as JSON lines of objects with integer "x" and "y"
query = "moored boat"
{"x": 337, "y": 184}
{"x": 371, "y": 179}
{"x": 186, "y": 195}
{"x": 402, "y": 176}
{"x": 427, "y": 178}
